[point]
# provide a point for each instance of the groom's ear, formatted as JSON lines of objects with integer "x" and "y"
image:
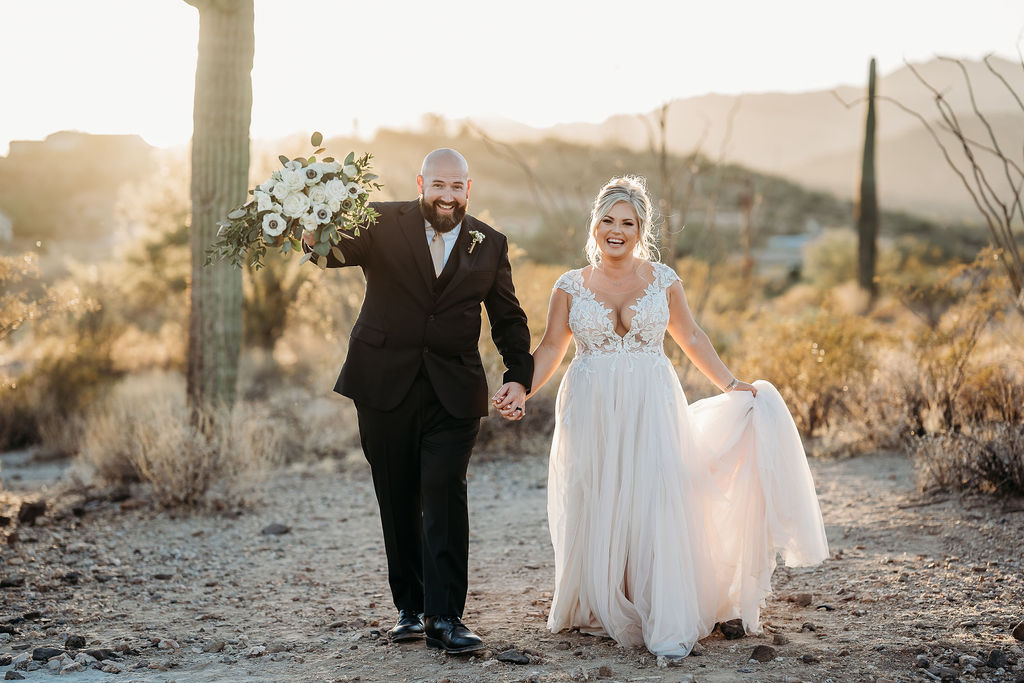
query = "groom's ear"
{"x": 419, "y": 183}
{"x": 469, "y": 184}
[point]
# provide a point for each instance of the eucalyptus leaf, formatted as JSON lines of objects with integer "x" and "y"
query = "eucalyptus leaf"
{"x": 316, "y": 139}
{"x": 350, "y": 158}
{"x": 320, "y": 151}
{"x": 237, "y": 213}
{"x": 283, "y": 159}
{"x": 338, "y": 254}
{"x": 328, "y": 160}
{"x": 323, "y": 248}
{"x": 308, "y": 255}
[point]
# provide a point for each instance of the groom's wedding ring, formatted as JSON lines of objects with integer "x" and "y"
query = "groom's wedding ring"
{"x": 518, "y": 410}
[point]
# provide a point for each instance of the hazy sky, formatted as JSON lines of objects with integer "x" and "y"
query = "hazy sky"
{"x": 128, "y": 66}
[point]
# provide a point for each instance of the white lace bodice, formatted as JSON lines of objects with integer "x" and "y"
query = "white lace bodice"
{"x": 592, "y": 325}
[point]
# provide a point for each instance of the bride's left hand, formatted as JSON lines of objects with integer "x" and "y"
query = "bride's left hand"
{"x": 743, "y": 386}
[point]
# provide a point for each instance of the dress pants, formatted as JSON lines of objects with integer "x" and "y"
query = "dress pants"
{"x": 418, "y": 455}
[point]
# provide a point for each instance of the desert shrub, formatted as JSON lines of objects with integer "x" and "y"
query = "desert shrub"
{"x": 988, "y": 458}
{"x": 143, "y": 431}
{"x": 818, "y": 362}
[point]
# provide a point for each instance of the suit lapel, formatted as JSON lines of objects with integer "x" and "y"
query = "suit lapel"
{"x": 414, "y": 229}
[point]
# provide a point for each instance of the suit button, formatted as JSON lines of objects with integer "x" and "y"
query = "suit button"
{"x": 430, "y": 317}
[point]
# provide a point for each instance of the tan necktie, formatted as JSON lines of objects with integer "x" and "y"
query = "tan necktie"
{"x": 437, "y": 253}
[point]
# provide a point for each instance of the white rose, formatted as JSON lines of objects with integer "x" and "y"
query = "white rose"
{"x": 264, "y": 202}
{"x": 312, "y": 174}
{"x": 327, "y": 166}
{"x": 309, "y": 222}
{"x": 268, "y": 184}
{"x": 295, "y": 205}
{"x": 293, "y": 165}
{"x": 335, "y": 190}
{"x": 281, "y": 191}
{"x": 323, "y": 213}
{"x": 353, "y": 190}
{"x": 317, "y": 194}
{"x": 334, "y": 205}
{"x": 350, "y": 171}
{"x": 273, "y": 225}
{"x": 295, "y": 180}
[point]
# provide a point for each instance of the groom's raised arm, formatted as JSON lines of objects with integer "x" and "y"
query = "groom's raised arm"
{"x": 509, "y": 329}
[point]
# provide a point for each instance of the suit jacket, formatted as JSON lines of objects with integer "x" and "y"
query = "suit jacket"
{"x": 411, "y": 320}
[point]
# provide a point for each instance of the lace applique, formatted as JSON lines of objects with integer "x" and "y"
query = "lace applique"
{"x": 592, "y": 326}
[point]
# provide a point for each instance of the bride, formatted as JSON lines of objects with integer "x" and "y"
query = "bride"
{"x": 665, "y": 517}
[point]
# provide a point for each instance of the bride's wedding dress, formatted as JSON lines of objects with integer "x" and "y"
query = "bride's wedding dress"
{"x": 666, "y": 517}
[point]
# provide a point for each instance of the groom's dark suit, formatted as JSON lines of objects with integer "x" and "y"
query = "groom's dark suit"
{"x": 414, "y": 371}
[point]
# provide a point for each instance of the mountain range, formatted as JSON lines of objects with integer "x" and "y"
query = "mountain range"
{"x": 815, "y": 138}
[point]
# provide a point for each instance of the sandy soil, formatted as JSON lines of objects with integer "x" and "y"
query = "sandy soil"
{"x": 919, "y": 588}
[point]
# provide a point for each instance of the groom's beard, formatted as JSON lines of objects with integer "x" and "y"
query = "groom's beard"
{"x": 442, "y": 224}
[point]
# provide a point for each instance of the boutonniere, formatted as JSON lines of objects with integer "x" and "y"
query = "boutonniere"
{"x": 478, "y": 237}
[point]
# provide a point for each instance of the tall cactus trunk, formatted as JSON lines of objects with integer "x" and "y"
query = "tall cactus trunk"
{"x": 220, "y": 170}
{"x": 867, "y": 204}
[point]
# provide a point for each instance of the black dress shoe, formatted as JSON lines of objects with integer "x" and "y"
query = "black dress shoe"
{"x": 409, "y": 626}
{"x": 451, "y": 635}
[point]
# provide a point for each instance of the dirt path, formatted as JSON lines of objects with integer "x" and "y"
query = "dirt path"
{"x": 913, "y": 582}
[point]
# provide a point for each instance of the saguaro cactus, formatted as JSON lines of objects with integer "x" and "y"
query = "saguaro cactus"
{"x": 867, "y": 203}
{"x": 220, "y": 169}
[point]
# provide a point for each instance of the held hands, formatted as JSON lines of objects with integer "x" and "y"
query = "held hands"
{"x": 309, "y": 239}
{"x": 510, "y": 400}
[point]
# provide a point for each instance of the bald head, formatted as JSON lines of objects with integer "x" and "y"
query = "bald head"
{"x": 445, "y": 161}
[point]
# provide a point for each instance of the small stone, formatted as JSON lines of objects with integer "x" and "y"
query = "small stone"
{"x": 12, "y": 582}
{"x": 808, "y": 626}
{"x": 922, "y": 662}
{"x": 74, "y": 642}
{"x": 73, "y": 667}
{"x": 513, "y": 656}
{"x": 257, "y": 651}
{"x": 825, "y": 606}
{"x": 779, "y": 639}
{"x": 763, "y": 653}
{"x": 103, "y": 653}
{"x": 997, "y": 659}
{"x": 809, "y": 659}
{"x": 214, "y": 646}
{"x": 275, "y": 529}
{"x": 665, "y": 661}
{"x": 168, "y": 644}
{"x": 698, "y": 650}
{"x": 801, "y": 599}
{"x": 42, "y": 654}
{"x": 30, "y": 511}
{"x": 13, "y": 676}
{"x": 732, "y": 629}
{"x": 1018, "y": 631}
{"x": 604, "y": 672}
{"x": 111, "y": 668}
{"x": 563, "y": 645}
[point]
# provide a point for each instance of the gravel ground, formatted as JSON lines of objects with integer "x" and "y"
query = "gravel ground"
{"x": 919, "y": 588}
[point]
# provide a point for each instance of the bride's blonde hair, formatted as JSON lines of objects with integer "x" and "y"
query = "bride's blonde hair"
{"x": 633, "y": 190}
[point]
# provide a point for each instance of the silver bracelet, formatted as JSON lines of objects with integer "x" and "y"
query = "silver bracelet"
{"x": 731, "y": 385}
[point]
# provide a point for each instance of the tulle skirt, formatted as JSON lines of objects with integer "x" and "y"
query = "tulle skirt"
{"x": 666, "y": 517}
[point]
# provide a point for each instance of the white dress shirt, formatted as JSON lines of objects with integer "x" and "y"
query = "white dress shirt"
{"x": 448, "y": 237}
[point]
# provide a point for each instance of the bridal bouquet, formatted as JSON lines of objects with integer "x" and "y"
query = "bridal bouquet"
{"x": 326, "y": 198}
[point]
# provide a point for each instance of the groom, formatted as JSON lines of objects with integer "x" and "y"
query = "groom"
{"x": 414, "y": 372}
